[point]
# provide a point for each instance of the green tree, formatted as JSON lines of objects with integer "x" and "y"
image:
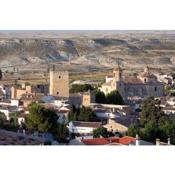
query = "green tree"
{"x": 72, "y": 116}
{"x": 114, "y": 97}
{"x": 133, "y": 130}
{"x": 61, "y": 132}
{"x": 45, "y": 120}
{"x": 80, "y": 88}
{"x": 151, "y": 131}
{"x": 100, "y": 132}
{"x": 167, "y": 127}
{"x": 154, "y": 123}
{"x": 87, "y": 114}
{"x": 151, "y": 110}
{"x": 100, "y": 97}
{"x": 41, "y": 119}
{"x": 82, "y": 114}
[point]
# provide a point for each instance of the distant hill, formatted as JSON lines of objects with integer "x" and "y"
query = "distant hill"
{"x": 97, "y": 49}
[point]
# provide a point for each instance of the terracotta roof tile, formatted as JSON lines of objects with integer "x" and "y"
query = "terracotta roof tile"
{"x": 126, "y": 140}
{"x": 100, "y": 141}
{"x": 133, "y": 80}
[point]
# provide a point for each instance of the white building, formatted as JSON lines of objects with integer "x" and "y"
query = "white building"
{"x": 102, "y": 113}
{"x": 169, "y": 110}
{"x": 78, "y": 127}
{"x": 7, "y": 110}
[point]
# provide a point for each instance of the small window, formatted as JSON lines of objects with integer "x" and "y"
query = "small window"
{"x": 145, "y": 80}
{"x": 59, "y": 77}
{"x": 57, "y": 93}
{"x": 155, "y": 88}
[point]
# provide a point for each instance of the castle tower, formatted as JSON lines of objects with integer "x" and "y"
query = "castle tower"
{"x": 88, "y": 98}
{"x": 59, "y": 83}
{"x": 117, "y": 73}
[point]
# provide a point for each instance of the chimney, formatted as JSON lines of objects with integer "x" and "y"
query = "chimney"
{"x": 137, "y": 140}
{"x": 169, "y": 143}
{"x": 157, "y": 142}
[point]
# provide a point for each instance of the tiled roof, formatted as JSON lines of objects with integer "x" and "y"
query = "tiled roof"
{"x": 133, "y": 80}
{"x": 126, "y": 140}
{"x": 100, "y": 141}
{"x": 113, "y": 140}
{"x": 29, "y": 96}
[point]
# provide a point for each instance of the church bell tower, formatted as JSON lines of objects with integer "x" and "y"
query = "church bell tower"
{"x": 117, "y": 73}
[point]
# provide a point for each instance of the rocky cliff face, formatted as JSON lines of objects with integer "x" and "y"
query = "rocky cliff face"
{"x": 132, "y": 51}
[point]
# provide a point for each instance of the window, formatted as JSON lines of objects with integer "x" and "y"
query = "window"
{"x": 57, "y": 93}
{"x": 59, "y": 77}
{"x": 155, "y": 88}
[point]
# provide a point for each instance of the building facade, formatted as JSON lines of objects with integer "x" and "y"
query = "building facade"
{"x": 82, "y": 99}
{"x": 144, "y": 85}
{"x": 18, "y": 91}
{"x": 59, "y": 83}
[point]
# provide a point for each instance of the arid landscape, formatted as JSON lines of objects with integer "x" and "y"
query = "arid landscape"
{"x": 84, "y": 51}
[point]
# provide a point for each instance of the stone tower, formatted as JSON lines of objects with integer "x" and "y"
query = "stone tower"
{"x": 117, "y": 73}
{"x": 59, "y": 83}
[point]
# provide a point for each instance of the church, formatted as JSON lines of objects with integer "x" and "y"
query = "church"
{"x": 133, "y": 88}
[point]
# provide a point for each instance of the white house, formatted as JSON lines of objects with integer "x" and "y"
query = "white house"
{"x": 169, "y": 110}
{"x": 105, "y": 114}
{"x": 78, "y": 127}
{"x": 171, "y": 101}
{"x": 7, "y": 110}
